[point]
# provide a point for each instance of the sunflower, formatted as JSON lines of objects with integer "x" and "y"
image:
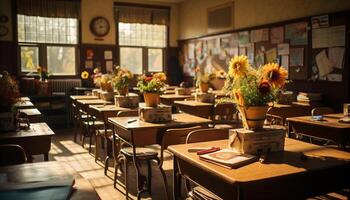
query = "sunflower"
{"x": 275, "y": 74}
{"x": 264, "y": 87}
{"x": 39, "y": 69}
{"x": 160, "y": 76}
{"x": 84, "y": 75}
{"x": 238, "y": 66}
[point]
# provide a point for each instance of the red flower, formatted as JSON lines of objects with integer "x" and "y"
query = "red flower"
{"x": 264, "y": 87}
{"x": 148, "y": 79}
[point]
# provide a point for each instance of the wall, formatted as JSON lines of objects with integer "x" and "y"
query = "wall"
{"x": 5, "y": 9}
{"x": 93, "y": 8}
{"x": 247, "y": 13}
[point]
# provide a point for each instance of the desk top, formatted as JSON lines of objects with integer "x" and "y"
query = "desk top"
{"x": 278, "y": 164}
{"x": 24, "y": 99}
{"x": 35, "y": 130}
{"x": 192, "y": 103}
{"x": 30, "y": 111}
{"x": 24, "y": 104}
{"x": 48, "y": 171}
{"x": 175, "y": 96}
{"x": 178, "y": 121}
{"x": 77, "y": 97}
{"x": 93, "y": 101}
{"x": 330, "y": 120}
{"x": 107, "y": 108}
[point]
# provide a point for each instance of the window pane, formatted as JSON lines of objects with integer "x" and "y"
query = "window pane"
{"x": 149, "y": 35}
{"x": 61, "y": 60}
{"x": 155, "y": 60}
{"x": 131, "y": 58}
{"x": 29, "y": 58}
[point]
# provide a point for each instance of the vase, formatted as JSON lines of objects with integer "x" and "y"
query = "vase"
{"x": 204, "y": 87}
{"x": 253, "y": 117}
{"x": 151, "y": 99}
{"x": 123, "y": 91}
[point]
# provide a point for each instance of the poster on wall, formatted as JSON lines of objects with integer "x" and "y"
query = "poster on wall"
{"x": 271, "y": 55}
{"x": 296, "y": 57}
{"x": 297, "y": 33}
{"x": 277, "y": 35}
{"x": 328, "y": 37}
{"x": 108, "y": 55}
{"x": 259, "y": 35}
{"x": 190, "y": 52}
{"x": 320, "y": 21}
{"x": 243, "y": 38}
{"x": 283, "y": 49}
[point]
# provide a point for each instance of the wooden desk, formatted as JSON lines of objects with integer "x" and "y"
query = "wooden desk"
{"x": 197, "y": 108}
{"x": 36, "y": 140}
{"x": 48, "y": 171}
{"x": 24, "y": 99}
{"x": 169, "y": 99}
{"x": 77, "y": 97}
{"x": 84, "y": 103}
{"x": 103, "y": 112}
{"x": 219, "y": 94}
{"x": 24, "y": 104}
{"x": 33, "y": 114}
{"x": 284, "y": 175}
{"x": 329, "y": 128}
{"x": 285, "y": 111}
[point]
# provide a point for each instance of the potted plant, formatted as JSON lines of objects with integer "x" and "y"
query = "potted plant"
{"x": 253, "y": 89}
{"x": 9, "y": 96}
{"x": 203, "y": 81}
{"x": 43, "y": 73}
{"x": 152, "y": 87}
{"x": 121, "y": 80}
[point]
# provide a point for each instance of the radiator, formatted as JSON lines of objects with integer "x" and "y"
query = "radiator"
{"x": 64, "y": 85}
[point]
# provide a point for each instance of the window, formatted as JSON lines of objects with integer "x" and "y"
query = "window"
{"x": 49, "y": 42}
{"x": 142, "y": 36}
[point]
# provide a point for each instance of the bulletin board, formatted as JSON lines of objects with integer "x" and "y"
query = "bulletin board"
{"x": 312, "y": 48}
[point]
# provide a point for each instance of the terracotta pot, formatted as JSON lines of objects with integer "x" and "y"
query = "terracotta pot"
{"x": 106, "y": 87}
{"x": 123, "y": 91}
{"x": 204, "y": 87}
{"x": 253, "y": 117}
{"x": 151, "y": 99}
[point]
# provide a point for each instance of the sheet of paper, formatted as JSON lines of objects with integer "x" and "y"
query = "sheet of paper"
{"x": 277, "y": 35}
{"x": 336, "y": 56}
{"x": 323, "y": 64}
{"x": 328, "y": 37}
{"x": 283, "y": 49}
{"x": 259, "y": 35}
{"x": 234, "y": 40}
{"x": 191, "y": 50}
{"x": 297, "y": 33}
{"x": 296, "y": 57}
{"x": 243, "y": 38}
{"x": 109, "y": 66}
{"x": 335, "y": 77}
{"x": 271, "y": 55}
{"x": 89, "y": 64}
{"x": 250, "y": 52}
{"x": 242, "y": 51}
{"x": 259, "y": 59}
{"x": 108, "y": 55}
{"x": 285, "y": 62}
{"x": 320, "y": 21}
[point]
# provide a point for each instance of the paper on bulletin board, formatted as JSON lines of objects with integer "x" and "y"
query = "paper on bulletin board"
{"x": 323, "y": 64}
{"x": 277, "y": 35}
{"x": 191, "y": 51}
{"x": 250, "y": 52}
{"x": 271, "y": 55}
{"x": 259, "y": 59}
{"x": 108, "y": 55}
{"x": 232, "y": 51}
{"x": 89, "y": 64}
{"x": 320, "y": 21}
{"x": 285, "y": 62}
{"x": 242, "y": 51}
{"x": 243, "y": 38}
{"x": 328, "y": 37}
{"x": 259, "y": 35}
{"x": 283, "y": 49}
{"x": 296, "y": 57}
{"x": 336, "y": 56}
{"x": 297, "y": 33}
{"x": 109, "y": 66}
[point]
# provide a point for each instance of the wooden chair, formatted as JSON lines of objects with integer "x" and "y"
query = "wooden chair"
{"x": 321, "y": 111}
{"x": 12, "y": 154}
{"x": 208, "y": 134}
{"x": 124, "y": 155}
{"x": 225, "y": 116}
{"x": 172, "y": 137}
{"x": 274, "y": 121}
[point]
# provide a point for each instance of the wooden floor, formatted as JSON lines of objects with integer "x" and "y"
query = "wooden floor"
{"x": 64, "y": 149}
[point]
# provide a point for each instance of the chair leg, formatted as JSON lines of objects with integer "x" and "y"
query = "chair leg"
{"x": 126, "y": 178}
{"x": 90, "y": 141}
{"x": 106, "y": 164}
{"x": 149, "y": 167}
{"x": 166, "y": 188}
{"x": 97, "y": 146}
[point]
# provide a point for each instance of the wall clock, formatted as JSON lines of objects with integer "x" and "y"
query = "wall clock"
{"x": 99, "y": 26}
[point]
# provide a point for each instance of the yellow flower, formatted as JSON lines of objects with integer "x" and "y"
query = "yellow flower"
{"x": 275, "y": 74}
{"x": 84, "y": 75}
{"x": 238, "y": 66}
{"x": 160, "y": 76}
{"x": 39, "y": 69}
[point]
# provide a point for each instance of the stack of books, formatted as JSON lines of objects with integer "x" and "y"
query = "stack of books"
{"x": 309, "y": 99}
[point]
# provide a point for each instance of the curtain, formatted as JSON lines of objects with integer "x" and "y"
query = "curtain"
{"x": 142, "y": 15}
{"x": 49, "y": 8}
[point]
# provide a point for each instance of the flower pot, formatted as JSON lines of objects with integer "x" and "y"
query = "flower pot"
{"x": 123, "y": 91}
{"x": 253, "y": 117}
{"x": 204, "y": 87}
{"x": 106, "y": 87}
{"x": 151, "y": 99}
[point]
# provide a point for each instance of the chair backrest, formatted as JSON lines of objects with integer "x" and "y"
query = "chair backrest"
{"x": 12, "y": 154}
{"x": 322, "y": 111}
{"x": 205, "y": 135}
{"x": 128, "y": 113}
{"x": 175, "y": 136}
{"x": 224, "y": 112}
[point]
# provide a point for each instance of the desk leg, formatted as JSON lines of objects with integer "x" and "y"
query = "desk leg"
{"x": 176, "y": 188}
{"x": 46, "y": 156}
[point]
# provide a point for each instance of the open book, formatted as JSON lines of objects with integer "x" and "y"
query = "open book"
{"x": 228, "y": 158}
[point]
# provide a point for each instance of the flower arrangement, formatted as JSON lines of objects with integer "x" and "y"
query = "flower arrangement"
{"x": 97, "y": 77}
{"x": 43, "y": 73}
{"x": 121, "y": 79}
{"x": 152, "y": 84}
{"x": 254, "y": 87}
{"x": 9, "y": 93}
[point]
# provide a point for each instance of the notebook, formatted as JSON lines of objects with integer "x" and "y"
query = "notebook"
{"x": 228, "y": 158}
